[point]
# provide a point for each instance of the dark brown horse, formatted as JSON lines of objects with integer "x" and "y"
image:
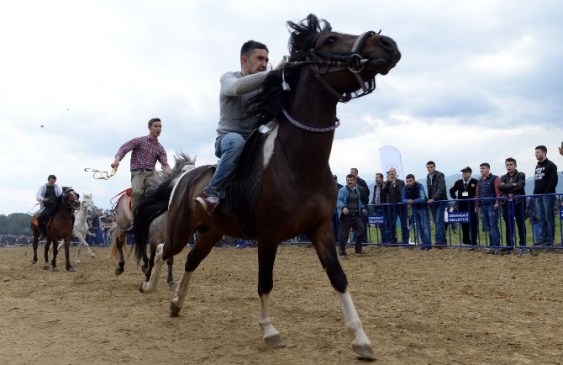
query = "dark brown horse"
{"x": 59, "y": 227}
{"x": 298, "y": 191}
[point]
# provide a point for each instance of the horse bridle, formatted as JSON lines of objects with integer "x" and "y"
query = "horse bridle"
{"x": 335, "y": 62}
{"x": 75, "y": 204}
{"x": 351, "y": 61}
{"x": 86, "y": 204}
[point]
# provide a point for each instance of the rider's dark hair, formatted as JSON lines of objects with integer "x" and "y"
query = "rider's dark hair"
{"x": 52, "y": 177}
{"x": 153, "y": 120}
{"x": 250, "y": 46}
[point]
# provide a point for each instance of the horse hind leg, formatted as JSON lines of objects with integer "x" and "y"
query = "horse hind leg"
{"x": 82, "y": 243}
{"x": 172, "y": 286}
{"x": 153, "y": 272}
{"x": 206, "y": 241}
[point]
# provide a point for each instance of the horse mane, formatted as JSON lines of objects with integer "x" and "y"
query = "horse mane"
{"x": 154, "y": 201}
{"x": 272, "y": 98}
{"x": 304, "y": 34}
{"x": 181, "y": 160}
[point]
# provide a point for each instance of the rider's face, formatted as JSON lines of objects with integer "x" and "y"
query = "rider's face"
{"x": 155, "y": 129}
{"x": 51, "y": 182}
{"x": 256, "y": 62}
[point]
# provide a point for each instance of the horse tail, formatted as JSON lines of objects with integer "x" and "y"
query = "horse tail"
{"x": 153, "y": 203}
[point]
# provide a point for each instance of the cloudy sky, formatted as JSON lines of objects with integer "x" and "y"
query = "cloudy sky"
{"x": 479, "y": 81}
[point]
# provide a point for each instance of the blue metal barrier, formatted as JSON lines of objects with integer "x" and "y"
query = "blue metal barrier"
{"x": 524, "y": 223}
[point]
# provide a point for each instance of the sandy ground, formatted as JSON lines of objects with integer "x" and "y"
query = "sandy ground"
{"x": 436, "y": 307}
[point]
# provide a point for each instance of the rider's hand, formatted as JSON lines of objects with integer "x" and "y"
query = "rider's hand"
{"x": 282, "y": 63}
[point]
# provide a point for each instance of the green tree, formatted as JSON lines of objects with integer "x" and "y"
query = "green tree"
{"x": 15, "y": 223}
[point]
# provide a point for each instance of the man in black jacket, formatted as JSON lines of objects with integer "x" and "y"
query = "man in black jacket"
{"x": 379, "y": 210}
{"x": 393, "y": 195}
{"x": 364, "y": 197}
{"x": 512, "y": 188}
{"x": 364, "y": 189}
{"x": 437, "y": 200}
{"x": 545, "y": 182}
{"x": 464, "y": 191}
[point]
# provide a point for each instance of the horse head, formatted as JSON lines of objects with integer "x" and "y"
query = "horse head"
{"x": 343, "y": 66}
{"x": 329, "y": 54}
{"x": 71, "y": 198}
{"x": 87, "y": 203}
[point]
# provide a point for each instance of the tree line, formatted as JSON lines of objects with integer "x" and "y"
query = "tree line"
{"x": 15, "y": 224}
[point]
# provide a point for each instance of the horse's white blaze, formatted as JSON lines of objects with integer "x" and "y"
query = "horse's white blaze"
{"x": 269, "y": 144}
{"x": 264, "y": 319}
{"x": 152, "y": 284}
{"x": 352, "y": 319}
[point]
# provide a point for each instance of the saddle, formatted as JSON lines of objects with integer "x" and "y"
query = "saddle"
{"x": 243, "y": 187}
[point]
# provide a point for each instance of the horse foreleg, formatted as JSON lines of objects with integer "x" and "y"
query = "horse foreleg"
{"x": 54, "y": 260}
{"x": 46, "y": 264}
{"x": 266, "y": 259}
{"x": 67, "y": 255}
{"x": 121, "y": 263}
{"x": 35, "y": 244}
{"x": 82, "y": 243}
{"x": 326, "y": 251}
{"x": 170, "y": 278}
{"x": 361, "y": 343}
{"x": 206, "y": 242}
{"x": 153, "y": 273}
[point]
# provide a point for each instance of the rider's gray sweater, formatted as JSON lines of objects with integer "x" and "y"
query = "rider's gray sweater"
{"x": 235, "y": 91}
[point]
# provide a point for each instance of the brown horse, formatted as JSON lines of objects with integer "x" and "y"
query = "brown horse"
{"x": 58, "y": 227}
{"x": 124, "y": 217}
{"x": 298, "y": 192}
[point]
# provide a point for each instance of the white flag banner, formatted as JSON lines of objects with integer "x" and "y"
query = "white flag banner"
{"x": 391, "y": 157}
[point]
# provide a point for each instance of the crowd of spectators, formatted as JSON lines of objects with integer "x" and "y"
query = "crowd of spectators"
{"x": 488, "y": 204}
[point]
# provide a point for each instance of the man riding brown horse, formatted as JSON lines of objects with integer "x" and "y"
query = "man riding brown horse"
{"x": 46, "y": 197}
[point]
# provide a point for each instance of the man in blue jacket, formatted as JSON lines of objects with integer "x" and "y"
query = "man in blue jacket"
{"x": 414, "y": 196}
{"x": 350, "y": 211}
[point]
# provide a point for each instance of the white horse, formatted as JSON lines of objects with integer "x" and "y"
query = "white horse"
{"x": 157, "y": 228}
{"x": 80, "y": 229}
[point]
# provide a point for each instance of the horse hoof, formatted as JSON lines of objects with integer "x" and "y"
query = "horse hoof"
{"x": 274, "y": 341}
{"x": 54, "y": 269}
{"x": 141, "y": 288}
{"x": 172, "y": 286}
{"x": 92, "y": 256}
{"x": 46, "y": 267}
{"x": 119, "y": 271}
{"x": 174, "y": 309}
{"x": 365, "y": 352}
{"x": 78, "y": 262}
{"x": 144, "y": 269}
{"x": 33, "y": 261}
{"x": 71, "y": 269}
